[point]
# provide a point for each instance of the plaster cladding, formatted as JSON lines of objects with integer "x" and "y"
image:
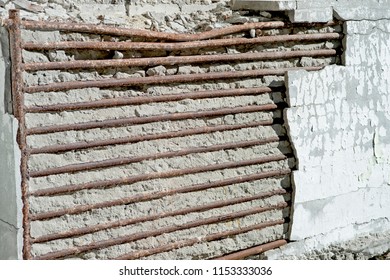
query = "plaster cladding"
{"x": 338, "y": 123}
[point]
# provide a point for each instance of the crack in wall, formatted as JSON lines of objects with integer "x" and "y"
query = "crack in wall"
{"x": 9, "y": 224}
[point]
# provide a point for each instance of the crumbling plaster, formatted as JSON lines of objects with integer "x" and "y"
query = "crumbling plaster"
{"x": 338, "y": 117}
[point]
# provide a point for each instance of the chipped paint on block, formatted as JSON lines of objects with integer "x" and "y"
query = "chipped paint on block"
{"x": 339, "y": 120}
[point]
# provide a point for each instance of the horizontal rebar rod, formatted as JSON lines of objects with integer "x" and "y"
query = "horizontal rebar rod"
{"x": 136, "y": 100}
{"x": 131, "y": 32}
{"x": 171, "y": 79}
{"x": 88, "y": 166}
{"x": 123, "y": 46}
{"x": 142, "y": 120}
{"x": 130, "y": 221}
{"x": 173, "y": 60}
{"x": 253, "y": 251}
{"x": 193, "y": 241}
{"x": 152, "y": 233}
{"x": 134, "y": 139}
{"x": 156, "y": 195}
{"x": 154, "y": 175}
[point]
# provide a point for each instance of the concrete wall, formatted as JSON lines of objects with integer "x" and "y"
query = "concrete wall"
{"x": 10, "y": 203}
{"x": 338, "y": 117}
{"x": 175, "y": 21}
{"x": 339, "y": 125}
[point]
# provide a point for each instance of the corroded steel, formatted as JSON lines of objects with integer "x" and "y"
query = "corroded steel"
{"x": 133, "y": 139}
{"x": 181, "y": 45}
{"x": 18, "y": 105}
{"x": 253, "y": 251}
{"x": 149, "y": 119}
{"x": 130, "y": 32}
{"x": 151, "y": 233}
{"x": 87, "y": 166}
{"x": 155, "y": 175}
{"x": 173, "y": 60}
{"x": 159, "y": 194}
{"x": 171, "y": 79}
{"x": 193, "y": 241}
{"x": 135, "y": 100}
{"x": 130, "y": 221}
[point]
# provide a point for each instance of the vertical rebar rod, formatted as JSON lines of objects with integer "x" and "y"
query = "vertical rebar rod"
{"x": 18, "y": 101}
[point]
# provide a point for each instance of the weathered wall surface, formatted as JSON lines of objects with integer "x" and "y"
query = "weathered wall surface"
{"x": 10, "y": 203}
{"x": 339, "y": 125}
{"x": 338, "y": 121}
{"x": 179, "y": 216}
{"x": 319, "y": 10}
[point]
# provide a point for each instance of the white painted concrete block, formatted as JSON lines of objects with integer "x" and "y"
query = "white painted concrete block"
{"x": 321, "y": 216}
{"x": 322, "y": 14}
{"x": 267, "y": 5}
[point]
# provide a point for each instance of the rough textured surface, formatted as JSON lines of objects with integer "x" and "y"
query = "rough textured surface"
{"x": 166, "y": 204}
{"x": 191, "y": 16}
{"x": 340, "y": 113}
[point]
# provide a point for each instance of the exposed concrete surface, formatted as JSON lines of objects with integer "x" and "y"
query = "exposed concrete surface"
{"x": 338, "y": 123}
{"x": 10, "y": 203}
{"x": 169, "y": 16}
{"x": 359, "y": 241}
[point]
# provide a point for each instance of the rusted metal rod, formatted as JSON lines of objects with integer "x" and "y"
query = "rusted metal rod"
{"x": 154, "y": 175}
{"x": 156, "y": 195}
{"x": 134, "y": 139}
{"x": 253, "y": 251}
{"x": 131, "y": 32}
{"x": 18, "y": 103}
{"x": 150, "y": 119}
{"x": 193, "y": 241}
{"x": 161, "y": 79}
{"x": 87, "y": 166}
{"x": 152, "y": 233}
{"x": 125, "y": 101}
{"x": 123, "y": 46}
{"x": 173, "y": 60}
{"x": 126, "y": 222}
{"x": 172, "y": 79}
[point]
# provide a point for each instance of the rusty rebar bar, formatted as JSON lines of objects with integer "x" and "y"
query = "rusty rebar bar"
{"x": 134, "y": 139}
{"x": 161, "y": 215}
{"x": 157, "y": 118}
{"x": 131, "y": 32}
{"x": 253, "y": 251}
{"x": 171, "y": 79}
{"x": 88, "y": 166}
{"x": 18, "y": 104}
{"x": 154, "y": 175}
{"x": 193, "y": 241}
{"x": 173, "y": 60}
{"x": 160, "y": 194}
{"x": 123, "y": 46}
{"x": 136, "y": 100}
{"x": 152, "y": 233}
